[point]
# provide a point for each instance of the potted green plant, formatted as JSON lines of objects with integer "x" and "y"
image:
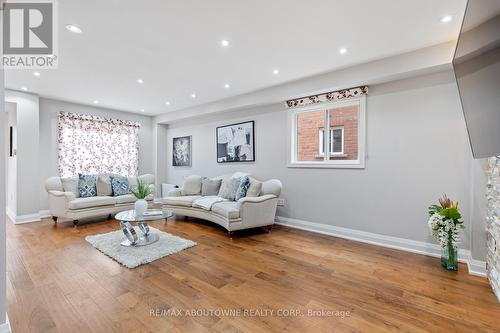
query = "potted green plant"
{"x": 445, "y": 222}
{"x": 141, "y": 192}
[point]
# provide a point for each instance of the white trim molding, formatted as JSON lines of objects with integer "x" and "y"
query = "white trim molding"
{"x": 476, "y": 267}
{"x": 28, "y": 218}
{"x": 5, "y": 327}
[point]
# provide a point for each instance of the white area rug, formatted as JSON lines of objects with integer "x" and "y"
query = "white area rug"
{"x": 130, "y": 256}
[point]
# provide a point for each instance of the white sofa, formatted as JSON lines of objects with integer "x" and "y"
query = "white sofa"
{"x": 65, "y": 203}
{"x": 246, "y": 213}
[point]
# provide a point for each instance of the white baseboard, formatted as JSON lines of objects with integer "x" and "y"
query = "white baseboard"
{"x": 5, "y": 327}
{"x": 475, "y": 267}
{"x": 28, "y": 218}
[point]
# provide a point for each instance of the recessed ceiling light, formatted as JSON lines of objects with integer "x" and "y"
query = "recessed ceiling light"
{"x": 96, "y": 102}
{"x": 74, "y": 28}
{"x": 140, "y": 81}
{"x": 224, "y": 42}
{"x": 142, "y": 110}
{"x": 167, "y": 103}
{"x": 227, "y": 86}
{"x": 24, "y": 88}
{"x": 446, "y": 19}
{"x": 36, "y": 73}
{"x": 193, "y": 95}
{"x": 343, "y": 50}
{"x": 276, "y": 72}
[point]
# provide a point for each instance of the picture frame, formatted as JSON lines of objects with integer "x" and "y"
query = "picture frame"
{"x": 182, "y": 151}
{"x": 236, "y": 142}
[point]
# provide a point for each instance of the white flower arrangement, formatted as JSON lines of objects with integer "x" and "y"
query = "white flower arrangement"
{"x": 445, "y": 221}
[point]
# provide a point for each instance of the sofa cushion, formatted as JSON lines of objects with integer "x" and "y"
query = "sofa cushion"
{"x": 71, "y": 185}
{"x": 119, "y": 185}
{"x": 87, "y": 185}
{"x": 125, "y": 199}
{"x": 229, "y": 187}
{"x": 242, "y": 188}
{"x": 104, "y": 188}
{"x": 255, "y": 188}
{"x": 210, "y": 187}
{"x": 186, "y": 200}
{"x": 229, "y": 209}
{"x": 91, "y": 202}
{"x": 129, "y": 198}
{"x": 192, "y": 185}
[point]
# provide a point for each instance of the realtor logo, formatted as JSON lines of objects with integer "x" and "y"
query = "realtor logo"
{"x": 29, "y": 34}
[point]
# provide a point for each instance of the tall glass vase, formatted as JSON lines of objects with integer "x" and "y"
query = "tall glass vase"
{"x": 449, "y": 257}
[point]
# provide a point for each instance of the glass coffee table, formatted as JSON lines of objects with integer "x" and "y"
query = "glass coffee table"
{"x": 145, "y": 238}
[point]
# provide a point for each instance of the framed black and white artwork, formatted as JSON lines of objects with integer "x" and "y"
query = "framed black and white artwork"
{"x": 236, "y": 143}
{"x": 181, "y": 151}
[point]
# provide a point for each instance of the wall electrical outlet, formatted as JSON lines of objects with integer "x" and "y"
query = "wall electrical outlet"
{"x": 281, "y": 202}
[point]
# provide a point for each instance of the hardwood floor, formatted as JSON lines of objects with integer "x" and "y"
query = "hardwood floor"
{"x": 57, "y": 282}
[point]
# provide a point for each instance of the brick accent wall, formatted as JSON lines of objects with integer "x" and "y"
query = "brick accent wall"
{"x": 310, "y": 123}
{"x": 493, "y": 225}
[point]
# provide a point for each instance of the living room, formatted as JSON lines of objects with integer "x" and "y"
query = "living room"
{"x": 215, "y": 166}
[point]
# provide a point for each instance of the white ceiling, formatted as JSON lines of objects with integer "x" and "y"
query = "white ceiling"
{"x": 174, "y": 46}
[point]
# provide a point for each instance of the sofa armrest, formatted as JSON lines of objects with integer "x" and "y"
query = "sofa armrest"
{"x": 175, "y": 192}
{"x": 59, "y": 202}
{"x": 260, "y": 199}
{"x": 258, "y": 211}
{"x": 68, "y": 195}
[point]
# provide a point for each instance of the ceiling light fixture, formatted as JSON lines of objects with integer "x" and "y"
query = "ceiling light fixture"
{"x": 224, "y": 42}
{"x": 96, "y": 102}
{"x": 193, "y": 95}
{"x": 276, "y": 72}
{"x": 142, "y": 110}
{"x": 24, "y": 88}
{"x": 74, "y": 28}
{"x": 36, "y": 74}
{"x": 343, "y": 50}
{"x": 167, "y": 103}
{"x": 140, "y": 81}
{"x": 446, "y": 19}
{"x": 227, "y": 86}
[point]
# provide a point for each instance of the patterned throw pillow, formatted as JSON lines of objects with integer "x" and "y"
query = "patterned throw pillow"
{"x": 229, "y": 187}
{"x": 119, "y": 185}
{"x": 242, "y": 188}
{"x": 87, "y": 185}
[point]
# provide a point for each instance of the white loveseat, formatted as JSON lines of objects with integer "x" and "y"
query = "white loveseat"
{"x": 65, "y": 203}
{"x": 245, "y": 213}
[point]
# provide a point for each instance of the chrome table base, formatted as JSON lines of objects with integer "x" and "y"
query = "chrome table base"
{"x": 133, "y": 239}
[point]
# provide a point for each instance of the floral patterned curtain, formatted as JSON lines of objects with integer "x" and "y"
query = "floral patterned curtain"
{"x": 94, "y": 145}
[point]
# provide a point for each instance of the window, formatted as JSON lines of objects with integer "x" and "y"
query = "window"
{"x": 336, "y": 141}
{"x": 338, "y": 125}
{"x": 94, "y": 145}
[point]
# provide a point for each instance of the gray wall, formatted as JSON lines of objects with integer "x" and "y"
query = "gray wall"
{"x": 49, "y": 110}
{"x": 3, "y": 246}
{"x": 11, "y": 164}
{"x": 28, "y": 151}
{"x": 417, "y": 149}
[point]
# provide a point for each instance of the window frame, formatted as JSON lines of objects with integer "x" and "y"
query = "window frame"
{"x": 321, "y": 141}
{"x": 359, "y": 163}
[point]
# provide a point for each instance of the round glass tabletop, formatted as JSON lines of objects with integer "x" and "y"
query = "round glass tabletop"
{"x": 149, "y": 215}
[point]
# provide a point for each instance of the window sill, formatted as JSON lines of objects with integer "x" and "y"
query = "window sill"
{"x": 332, "y": 156}
{"x": 316, "y": 165}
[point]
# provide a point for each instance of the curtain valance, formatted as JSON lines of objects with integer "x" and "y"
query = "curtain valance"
{"x": 328, "y": 97}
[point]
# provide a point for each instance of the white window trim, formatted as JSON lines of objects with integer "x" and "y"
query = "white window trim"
{"x": 327, "y": 163}
{"x": 321, "y": 141}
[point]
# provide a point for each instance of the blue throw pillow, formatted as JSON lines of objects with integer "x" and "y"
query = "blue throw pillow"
{"x": 119, "y": 185}
{"x": 243, "y": 188}
{"x": 87, "y": 185}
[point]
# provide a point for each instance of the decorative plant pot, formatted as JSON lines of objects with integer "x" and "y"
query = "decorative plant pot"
{"x": 449, "y": 257}
{"x": 140, "y": 206}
